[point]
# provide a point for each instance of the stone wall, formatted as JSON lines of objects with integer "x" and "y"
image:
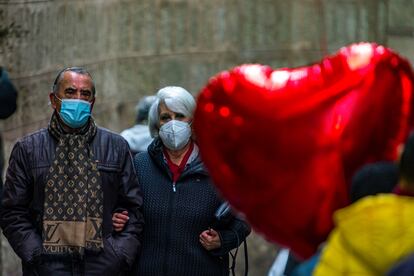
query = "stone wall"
{"x": 132, "y": 48}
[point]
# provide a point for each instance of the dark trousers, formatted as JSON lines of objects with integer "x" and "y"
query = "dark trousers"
{"x": 55, "y": 267}
{"x": 74, "y": 267}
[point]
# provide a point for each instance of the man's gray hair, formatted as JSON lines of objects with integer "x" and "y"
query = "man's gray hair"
{"x": 177, "y": 99}
{"x": 78, "y": 70}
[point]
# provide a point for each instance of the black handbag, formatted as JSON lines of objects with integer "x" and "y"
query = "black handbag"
{"x": 223, "y": 217}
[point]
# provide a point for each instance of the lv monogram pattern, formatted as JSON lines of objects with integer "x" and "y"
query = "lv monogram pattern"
{"x": 73, "y": 207}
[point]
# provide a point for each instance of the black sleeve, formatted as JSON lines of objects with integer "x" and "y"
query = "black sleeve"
{"x": 14, "y": 213}
{"x": 232, "y": 236}
{"x": 8, "y": 95}
{"x": 130, "y": 199}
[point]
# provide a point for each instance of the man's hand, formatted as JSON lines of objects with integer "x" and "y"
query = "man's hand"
{"x": 119, "y": 220}
{"x": 210, "y": 239}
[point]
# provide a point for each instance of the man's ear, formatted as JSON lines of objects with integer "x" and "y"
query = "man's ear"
{"x": 92, "y": 103}
{"x": 52, "y": 100}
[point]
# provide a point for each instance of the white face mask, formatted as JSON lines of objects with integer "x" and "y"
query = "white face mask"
{"x": 175, "y": 134}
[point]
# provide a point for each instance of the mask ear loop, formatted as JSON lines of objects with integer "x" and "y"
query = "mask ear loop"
{"x": 57, "y": 97}
{"x": 49, "y": 103}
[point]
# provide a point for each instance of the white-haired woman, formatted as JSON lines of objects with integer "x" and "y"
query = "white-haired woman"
{"x": 180, "y": 236}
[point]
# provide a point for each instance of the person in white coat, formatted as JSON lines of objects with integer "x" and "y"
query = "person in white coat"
{"x": 138, "y": 136}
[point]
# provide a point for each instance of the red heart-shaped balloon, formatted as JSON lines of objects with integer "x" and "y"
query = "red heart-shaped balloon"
{"x": 281, "y": 145}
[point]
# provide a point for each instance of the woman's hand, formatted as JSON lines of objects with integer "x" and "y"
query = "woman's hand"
{"x": 119, "y": 220}
{"x": 210, "y": 239}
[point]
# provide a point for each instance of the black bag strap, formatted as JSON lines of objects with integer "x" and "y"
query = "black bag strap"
{"x": 223, "y": 215}
{"x": 234, "y": 256}
{"x": 246, "y": 258}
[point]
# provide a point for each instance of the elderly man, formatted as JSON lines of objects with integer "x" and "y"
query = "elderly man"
{"x": 63, "y": 183}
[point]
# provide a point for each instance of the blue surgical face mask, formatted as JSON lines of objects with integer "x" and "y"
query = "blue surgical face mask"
{"x": 74, "y": 112}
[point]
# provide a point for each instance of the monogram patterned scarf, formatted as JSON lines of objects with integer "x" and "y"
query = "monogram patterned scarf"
{"x": 73, "y": 207}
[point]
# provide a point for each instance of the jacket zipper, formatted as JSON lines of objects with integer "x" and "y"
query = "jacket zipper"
{"x": 168, "y": 233}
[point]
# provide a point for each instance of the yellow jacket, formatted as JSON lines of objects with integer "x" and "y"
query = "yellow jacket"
{"x": 371, "y": 235}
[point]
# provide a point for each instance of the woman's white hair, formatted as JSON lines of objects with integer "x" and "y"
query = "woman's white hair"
{"x": 177, "y": 99}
